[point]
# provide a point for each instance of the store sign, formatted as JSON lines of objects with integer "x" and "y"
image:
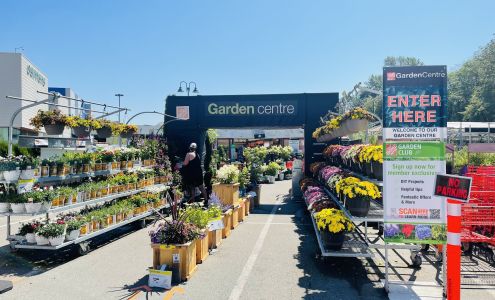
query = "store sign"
{"x": 286, "y": 108}
{"x": 453, "y": 187}
{"x": 414, "y": 103}
{"x": 182, "y": 112}
{"x": 414, "y": 129}
{"x": 35, "y": 75}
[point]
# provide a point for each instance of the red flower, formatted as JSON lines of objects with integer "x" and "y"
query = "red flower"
{"x": 407, "y": 230}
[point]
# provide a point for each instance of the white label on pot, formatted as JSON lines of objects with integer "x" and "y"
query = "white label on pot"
{"x": 176, "y": 258}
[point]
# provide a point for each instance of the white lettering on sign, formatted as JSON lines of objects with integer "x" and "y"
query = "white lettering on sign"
{"x": 262, "y": 109}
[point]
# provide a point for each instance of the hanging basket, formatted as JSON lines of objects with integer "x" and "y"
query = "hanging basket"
{"x": 358, "y": 207}
{"x": 104, "y": 132}
{"x": 81, "y": 131}
{"x": 54, "y": 129}
{"x": 127, "y": 134}
{"x": 332, "y": 241}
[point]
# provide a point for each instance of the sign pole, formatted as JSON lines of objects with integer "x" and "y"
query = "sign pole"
{"x": 453, "y": 249}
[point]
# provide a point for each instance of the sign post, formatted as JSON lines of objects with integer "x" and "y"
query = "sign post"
{"x": 451, "y": 187}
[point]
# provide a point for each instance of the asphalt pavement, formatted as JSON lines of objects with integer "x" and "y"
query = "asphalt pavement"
{"x": 271, "y": 255}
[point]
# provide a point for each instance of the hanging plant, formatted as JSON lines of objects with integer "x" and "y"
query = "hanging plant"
{"x": 53, "y": 121}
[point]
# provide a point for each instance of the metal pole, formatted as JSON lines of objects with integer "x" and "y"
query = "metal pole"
{"x": 386, "y": 268}
{"x": 147, "y": 112}
{"x": 120, "y": 138}
{"x": 489, "y": 132}
{"x": 80, "y": 100}
{"x": 11, "y": 125}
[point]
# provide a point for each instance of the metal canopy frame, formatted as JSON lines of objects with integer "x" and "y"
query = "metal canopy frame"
{"x": 52, "y": 97}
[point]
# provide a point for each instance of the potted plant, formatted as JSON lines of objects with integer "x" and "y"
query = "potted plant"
{"x": 127, "y": 130}
{"x": 105, "y": 128}
{"x": 39, "y": 236}
{"x": 81, "y": 127}
{"x": 199, "y": 217}
{"x": 172, "y": 237}
{"x": 17, "y": 203}
{"x": 214, "y": 215}
{"x": 271, "y": 171}
{"x": 10, "y": 168}
{"x": 358, "y": 195}
{"x": 45, "y": 168}
{"x": 53, "y": 121}
{"x": 228, "y": 187}
{"x": 54, "y": 232}
{"x": 50, "y": 197}
{"x": 28, "y": 230}
{"x": 332, "y": 225}
{"x": 34, "y": 201}
{"x": 28, "y": 166}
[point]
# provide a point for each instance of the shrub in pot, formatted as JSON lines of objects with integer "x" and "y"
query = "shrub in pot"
{"x": 333, "y": 224}
{"x": 272, "y": 170}
{"x": 127, "y": 130}
{"x": 53, "y": 121}
{"x": 199, "y": 217}
{"x": 54, "y": 232}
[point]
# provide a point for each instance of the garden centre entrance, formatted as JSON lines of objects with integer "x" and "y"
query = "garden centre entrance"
{"x": 270, "y": 111}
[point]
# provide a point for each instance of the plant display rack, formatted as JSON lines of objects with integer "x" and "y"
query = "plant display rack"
{"x": 82, "y": 241}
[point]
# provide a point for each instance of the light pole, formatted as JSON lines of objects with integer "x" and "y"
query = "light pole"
{"x": 119, "y": 95}
{"x": 18, "y": 48}
{"x": 188, "y": 87}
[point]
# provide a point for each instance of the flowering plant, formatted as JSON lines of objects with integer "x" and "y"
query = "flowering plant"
{"x": 333, "y": 220}
{"x": 334, "y": 123}
{"x": 391, "y": 230}
{"x": 361, "y": 189}
{"x": 29, "y": 227}
{"x": 174, "y": 232}
{"x": 346, "y": 181}
{"x": 51, "y": 117}
{"x": 76, "y": 121}
{"x": 228, "y": 174}
{"x": 423, "y": 232}
{"x": 51, "y": 230}
{"x": 316, "y": 166}
{"x": 371, "y": 153}
{"x": 328, "y": 171}
{"x": 332, "y": 181}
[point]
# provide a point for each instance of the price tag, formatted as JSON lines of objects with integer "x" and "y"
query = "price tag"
{"x": 215, "y": 224}
{"x": 176, "y": 258}
{"x": 167, "y": 247}
{"x": 25, "y": 185}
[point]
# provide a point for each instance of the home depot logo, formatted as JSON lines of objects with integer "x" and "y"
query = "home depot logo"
{"x": 391, "y": 150}
{"x": 390, "y": 75}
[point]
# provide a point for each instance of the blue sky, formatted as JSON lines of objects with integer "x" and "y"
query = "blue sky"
{"x": 143, "y": 49}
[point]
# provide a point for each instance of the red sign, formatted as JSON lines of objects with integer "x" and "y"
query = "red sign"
{"x": 453, "y": 187}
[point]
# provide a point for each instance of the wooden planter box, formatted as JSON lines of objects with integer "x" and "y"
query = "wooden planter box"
{"x": 235, "y": 217}
{"x": 227, "y": 223}
{"x": 163, "y": 254}
{"x": 242, "y": 210}
{"x": 202, "y": 248}
{"x": 228, "y": 193}
{"x": 214, "y": 238}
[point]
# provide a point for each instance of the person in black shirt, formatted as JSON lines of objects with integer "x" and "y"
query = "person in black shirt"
{"x": 193, "y": 173}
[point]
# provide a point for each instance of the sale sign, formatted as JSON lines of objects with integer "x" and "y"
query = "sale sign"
{"x": 414, "y": 103}
{"x": 454, "y": 187}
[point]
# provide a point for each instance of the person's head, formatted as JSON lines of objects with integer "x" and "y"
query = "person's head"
{"x": 193, "y": 147}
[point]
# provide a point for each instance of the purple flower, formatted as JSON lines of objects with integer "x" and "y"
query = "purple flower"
{"x": 391, "y": 230}
{"x": 423, "y": 232}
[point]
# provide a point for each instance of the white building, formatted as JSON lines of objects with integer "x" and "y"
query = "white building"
{"x": 20, "y": 78}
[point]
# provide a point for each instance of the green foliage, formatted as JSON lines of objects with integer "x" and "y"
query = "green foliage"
{"x": 212, "y": 135}
{"x": 51, "y": 230}
{"x": 244, "y": 177}
{"x": 273, "y": 168}
{"x": 74, "y": 225}
{"x": 214, "y": 212}
{"x": 197, "y": 216}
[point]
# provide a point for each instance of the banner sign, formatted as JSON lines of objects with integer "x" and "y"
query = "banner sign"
{"x": 453, "y": 187}
{"x": 414, "y": 103}
{"x": 414, "y": 128}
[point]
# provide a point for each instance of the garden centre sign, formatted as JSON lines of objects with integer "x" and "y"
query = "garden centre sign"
{"x": 414, "y": 102}
{"x": 414, "y": 129}
{"x": 269, "y": 111}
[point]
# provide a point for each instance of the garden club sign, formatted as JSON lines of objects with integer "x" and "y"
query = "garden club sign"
{"x": 234, "y": 108}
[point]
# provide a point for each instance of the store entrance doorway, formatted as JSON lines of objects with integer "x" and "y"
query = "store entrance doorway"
{"x": 270, "y": 111}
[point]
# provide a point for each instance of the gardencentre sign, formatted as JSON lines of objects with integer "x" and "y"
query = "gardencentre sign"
{"x": 414, "y": 124}
{"x": 234, "y": 108}
{"x": 414, "y": 102}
